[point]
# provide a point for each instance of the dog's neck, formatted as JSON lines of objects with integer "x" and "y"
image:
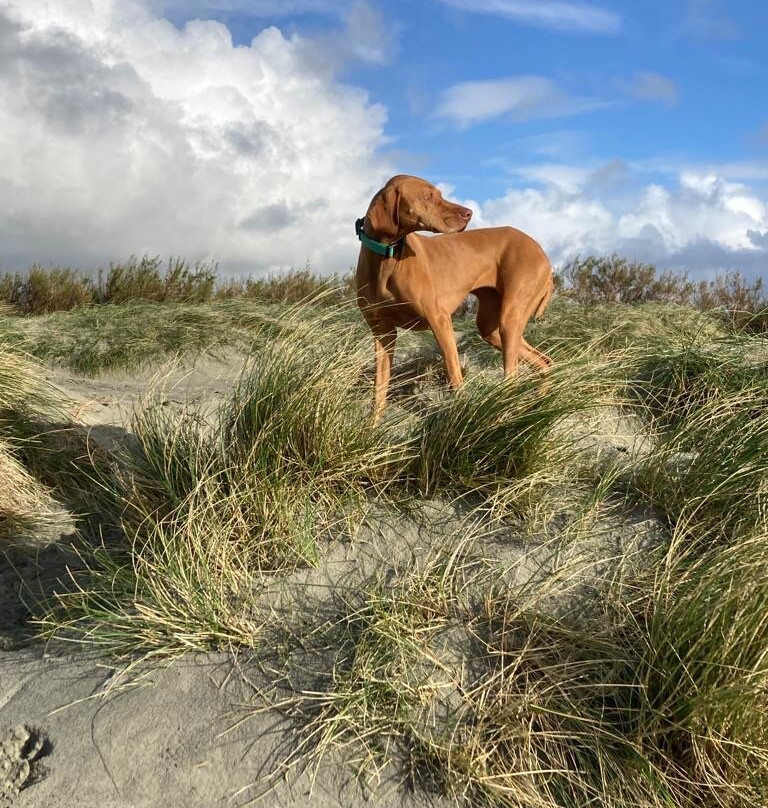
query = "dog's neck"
{"x": 382, "y": 239}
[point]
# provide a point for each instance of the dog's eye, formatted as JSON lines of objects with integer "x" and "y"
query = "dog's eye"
{"x": 429, "y": 196}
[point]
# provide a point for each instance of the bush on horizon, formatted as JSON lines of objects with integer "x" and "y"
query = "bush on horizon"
{"x": 606, "y": 279}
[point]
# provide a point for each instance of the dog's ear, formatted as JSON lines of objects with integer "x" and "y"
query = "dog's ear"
{"x": 384, "y": 212}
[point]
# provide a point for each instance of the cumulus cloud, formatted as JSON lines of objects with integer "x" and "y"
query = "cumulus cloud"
{"x": 649, "y": 86}
{"x": 120, "y": 133}
{"x": 558, "y": 15}
{"x": 703, "y": 222}
{"x": 523, "y": 98}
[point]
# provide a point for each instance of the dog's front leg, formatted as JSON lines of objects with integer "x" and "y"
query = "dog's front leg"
{"x": 384, "y": 340}
{"x": 442, "y": 328}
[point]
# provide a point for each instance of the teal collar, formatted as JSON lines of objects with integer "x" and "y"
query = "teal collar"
{"x": 378, "y": 247}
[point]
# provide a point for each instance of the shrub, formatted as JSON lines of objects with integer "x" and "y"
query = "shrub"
{"x": 614, "y": 279}
{"x": 293, "y": 286}
{"x": 142, "y": 279}
{"x": 730, "y": 291}
{"x": 42, "y": 291}
{"x": 743, "y": 305}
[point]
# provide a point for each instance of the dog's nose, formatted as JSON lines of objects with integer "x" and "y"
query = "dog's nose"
{"x": 465, "y": 213}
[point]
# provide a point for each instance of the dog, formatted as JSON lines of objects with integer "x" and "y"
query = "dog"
{"x": 405, "y": 280}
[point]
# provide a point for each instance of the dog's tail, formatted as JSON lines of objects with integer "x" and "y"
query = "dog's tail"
{"x": 545, "y": 299}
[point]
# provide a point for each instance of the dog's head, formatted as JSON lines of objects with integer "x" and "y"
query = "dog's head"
{"x": 406, "y": 204}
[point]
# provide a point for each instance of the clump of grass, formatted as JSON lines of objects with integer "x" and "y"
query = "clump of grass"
{"x": 23, "y": 389}
{"x": 382, "y": 644}
{"x": 495, "y": 430}
{"x": 674, "y": 380}
{"x": 112, "y": 338}
{"x": 704, "y": 672}
{"x": 301, "y": 411}
{"x": 658, "y": 702}
{"x": 438, "y": 669}
{"x": 710, "y": 472}
{"x": 104, "y": 338}
{"x": 44, "y": 456}
{"x": 55, "y": 450}
{"x": 25, "y": 505}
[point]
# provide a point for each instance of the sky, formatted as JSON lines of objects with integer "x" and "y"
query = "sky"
{"x": 254, "y": 132}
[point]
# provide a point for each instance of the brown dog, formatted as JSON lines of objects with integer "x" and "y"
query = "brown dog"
{"x": 409, "y": 281}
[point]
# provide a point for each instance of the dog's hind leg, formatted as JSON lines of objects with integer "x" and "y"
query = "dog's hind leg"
{"x": 534, "y": 356}
{"x": 488, "y": 315}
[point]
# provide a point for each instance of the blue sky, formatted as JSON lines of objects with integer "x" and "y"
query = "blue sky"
{"x": 254, "y": 131}
{"x": 671, "y": 82}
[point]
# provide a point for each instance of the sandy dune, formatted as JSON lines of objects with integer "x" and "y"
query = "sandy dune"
{"x": 75, "y": 731}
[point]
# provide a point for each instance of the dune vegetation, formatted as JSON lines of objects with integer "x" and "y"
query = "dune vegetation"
{"x": 580, "y": 618}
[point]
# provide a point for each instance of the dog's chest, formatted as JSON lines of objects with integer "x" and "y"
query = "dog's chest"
{"x": 382, "y": 291}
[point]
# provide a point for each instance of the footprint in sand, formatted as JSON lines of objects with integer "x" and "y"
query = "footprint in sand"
{"x": 20, "y": 748}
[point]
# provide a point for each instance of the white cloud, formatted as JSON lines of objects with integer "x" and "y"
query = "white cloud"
{"x": 701, "y": 207}
{"x": 649, "y": 86}
{"x": 522, "y": 97}
{"x": 704, "y": 222}
{"x": 256, "y": 8}
{"x": 120, "y": 133}
{"x": 564, "y": 177}
{"x": 555, "y": 14}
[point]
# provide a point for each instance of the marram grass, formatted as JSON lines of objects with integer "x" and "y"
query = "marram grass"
{"x": 673, "y": 380}
{"x": 25, "y": 504}
{"x": 211, "y": 503}
{"x": 28, "y": 404}
{"x": 495, "y": 430}
{"x": 649, "y": 693}
{"x": 709, "y": 473}
{"x": 654, "y": 697}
